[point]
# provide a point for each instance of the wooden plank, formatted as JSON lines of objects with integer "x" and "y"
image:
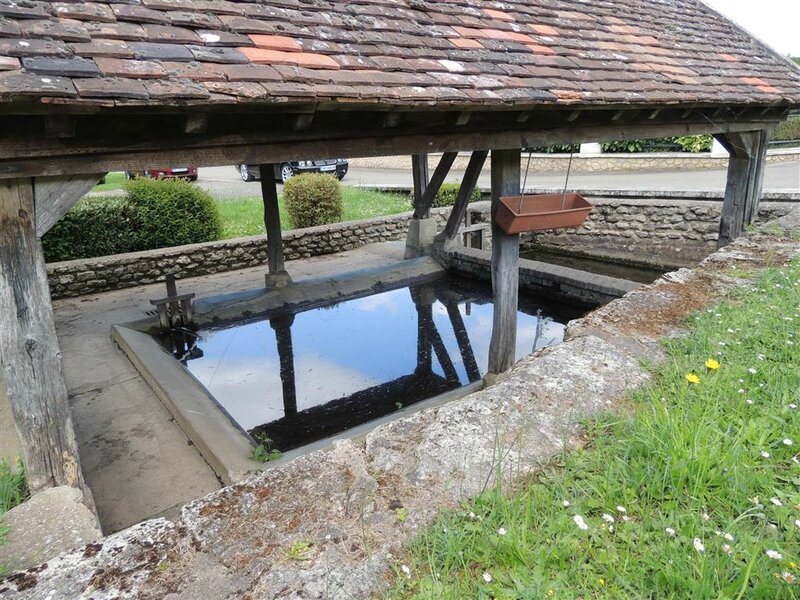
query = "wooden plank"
{"x": 272, "y": 219}
{"x": 474, "y": 168}
{"x": 423, "y": 208}
{"x": 54, "y": 196}
{"x": 744, "y": 187}
{"x": 505, "y": 265}
{"x": 29, "y": 352}
{"x": 37, "y": 157}
{"x": 419, "y": 170}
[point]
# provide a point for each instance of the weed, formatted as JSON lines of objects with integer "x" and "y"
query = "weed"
{"x": 264, "y": 450}
{"x": 298, "y": 551}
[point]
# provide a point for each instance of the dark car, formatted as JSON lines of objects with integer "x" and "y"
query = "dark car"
{"x": 287, "y": 170}
{"x": 189, "y": 173}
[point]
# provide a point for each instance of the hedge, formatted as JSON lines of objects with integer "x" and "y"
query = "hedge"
{"x": 154, "y": 213}
{"x": 313, "y": 199}
{"x": 447, "y": 194}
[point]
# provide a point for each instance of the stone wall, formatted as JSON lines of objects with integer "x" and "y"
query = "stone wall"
{"x": 661, "y": 232}
{"x": 590, "y": 163}
{"x": 89, "y": 276}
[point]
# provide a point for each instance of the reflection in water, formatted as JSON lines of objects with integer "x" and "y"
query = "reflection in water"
{"x": 300, "y": 378}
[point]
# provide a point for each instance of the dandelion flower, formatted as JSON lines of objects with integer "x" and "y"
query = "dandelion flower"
{"x": 776, "y": 501}
{"x": 787, "y": 442}
{"x": 580, "y": 522}
{"x": 608, "y": 518}
{"x": 487, "y": 577}
{"x": 712, "y": 365}
{"x": 692, "y": 378}
{"x": 670, "y": 532}
{"x": 698, "y": 545}
{"x": 774, "y": 554}
{"x": 501, "y": 531}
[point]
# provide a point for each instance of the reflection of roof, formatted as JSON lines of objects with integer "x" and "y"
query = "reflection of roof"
{"x": 406, "y": 52}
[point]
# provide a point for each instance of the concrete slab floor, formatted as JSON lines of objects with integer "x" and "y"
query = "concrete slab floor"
{"x": 136, "y": 460}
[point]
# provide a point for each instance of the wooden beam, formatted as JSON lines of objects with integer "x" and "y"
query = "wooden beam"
{"x": 419, "y": 171}
{"x": 743, "y": 191}
{"x": 54, "y": 196}
{"x": 29, "y": 352}
{"x": 505, "y": 264}
{"x": 272, "y": 220}
{"x": 423, "y": 208}
{"x": 38, "y": 156}
{"x": 468, "y": 184}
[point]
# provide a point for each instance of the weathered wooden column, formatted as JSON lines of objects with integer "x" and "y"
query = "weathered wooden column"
{"x": 29, "y": 352}
{"x": 422, "y": 229}
{"x": 277, "y": 276}
{"x": 468, "y": 185}
{"x": 505, "y": 264}
{"x": 419, "y": 171}
{"x": 746, "y": 166}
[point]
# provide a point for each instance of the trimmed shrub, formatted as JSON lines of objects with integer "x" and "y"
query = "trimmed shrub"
{"x": 313, "y": 199}
{"x": 788, "y": 130}
{"x": 449, "y": 192}
{"x": 154, "y": 213}
{"x": 173, "y": 212}
{"x": 96, "y": 226}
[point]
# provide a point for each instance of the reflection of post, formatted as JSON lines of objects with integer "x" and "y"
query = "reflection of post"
{"x": 283, "y": 334}
{"x": 464, "y": 345}
{"x": 424, "y": 297}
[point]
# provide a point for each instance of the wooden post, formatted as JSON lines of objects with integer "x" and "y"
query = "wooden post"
{"x": 29, "y": 352}
{"x": 277, "y": 275}
{"x": 423, "y": 208}
{"x": 743, "y": 191}
{"x": 505, "y": 264}
{"x": 419, "y": 169}
{"x": 468, "y": 184}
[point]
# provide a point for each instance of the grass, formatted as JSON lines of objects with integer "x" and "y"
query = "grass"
{"x": 695, "y": 495}
{"x": 114, "y": 181}
{"x": 245, "y": 216}
{"x": 13, "y": 491}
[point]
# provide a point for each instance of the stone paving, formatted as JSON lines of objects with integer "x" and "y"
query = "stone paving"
{"x": 339, "y": 507}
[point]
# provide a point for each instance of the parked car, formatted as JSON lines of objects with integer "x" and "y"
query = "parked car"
{"x": 287, "y": 170}
{"x": 189, "y": 173}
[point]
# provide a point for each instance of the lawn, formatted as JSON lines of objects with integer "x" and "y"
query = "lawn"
{"x": 245, "y": 216}
{"x": 114, "y": 181}
{"x": 696, "y": 494}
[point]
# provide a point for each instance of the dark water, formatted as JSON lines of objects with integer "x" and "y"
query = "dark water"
{"x": 307, "y": 376}
{"x": 602, "y": 267}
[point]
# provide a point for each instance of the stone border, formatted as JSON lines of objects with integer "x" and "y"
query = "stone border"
{"x": 344, "y": 501}
{"x": 592, "y": 163}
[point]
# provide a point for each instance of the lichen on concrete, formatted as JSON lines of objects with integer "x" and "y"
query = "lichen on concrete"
{"x": 327, "y": 524}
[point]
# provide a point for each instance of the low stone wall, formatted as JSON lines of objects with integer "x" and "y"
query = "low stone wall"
{"x": 342, "y": 503}
{"x": 659, "y": 232}
{"x": 90, "y": 276}
{"x": 590, "y": 163}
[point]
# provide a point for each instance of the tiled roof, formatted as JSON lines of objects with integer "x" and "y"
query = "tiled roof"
{"x": 399, "y": 52}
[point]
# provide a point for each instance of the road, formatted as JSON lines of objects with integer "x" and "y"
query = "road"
{"x": 224, "y": 182}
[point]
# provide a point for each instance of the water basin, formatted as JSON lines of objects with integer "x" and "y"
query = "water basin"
{"x": 302, "y": 377}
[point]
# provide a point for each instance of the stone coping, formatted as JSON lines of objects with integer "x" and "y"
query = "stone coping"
{"x": 343, "y": 502}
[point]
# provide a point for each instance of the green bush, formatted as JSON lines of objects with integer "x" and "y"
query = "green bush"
{"x": 788, "y": 130}
{"x": 313, "y": 199}
{"x": 695, "y": 143}
{"x": 173, "y": 212}
{"x": 447, "y": 194}
{"x": 94, "y": 227}
{"x": 154, "y": 213}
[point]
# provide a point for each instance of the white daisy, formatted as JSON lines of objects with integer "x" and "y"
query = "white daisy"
{"x": 698, "y": 545}
{"x": 774, "y": 554}
{"x": 487, "y": 577}
{"x": 580, "y": 522}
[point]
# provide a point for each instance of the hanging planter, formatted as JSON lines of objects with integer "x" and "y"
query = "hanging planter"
{"x": 518, "y": 214}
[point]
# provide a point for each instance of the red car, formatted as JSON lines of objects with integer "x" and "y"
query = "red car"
{"x": 189, "y": 173}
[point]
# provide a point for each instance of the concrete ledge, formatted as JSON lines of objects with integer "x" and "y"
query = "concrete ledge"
{"x": 343, "y": 502}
